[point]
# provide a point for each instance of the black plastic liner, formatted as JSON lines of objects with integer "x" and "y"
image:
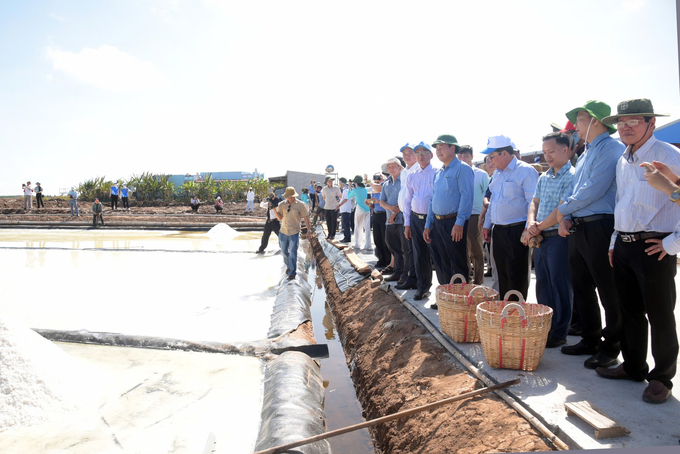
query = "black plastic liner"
{"x": 292, "y": 407}
{"x": 345, "y": 274}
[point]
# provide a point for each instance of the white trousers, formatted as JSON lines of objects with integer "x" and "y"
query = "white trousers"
{"x": 362, "y": 225}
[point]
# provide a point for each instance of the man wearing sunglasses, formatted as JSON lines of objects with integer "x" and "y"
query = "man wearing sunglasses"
{"x": 290, "y": 212}
{"x": 587, "y": 218}
{"x": 643, "y": 252}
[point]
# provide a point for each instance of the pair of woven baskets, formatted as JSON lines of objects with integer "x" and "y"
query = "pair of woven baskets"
{"x": 457, "y": 305}
{"x": 513, "y": 335}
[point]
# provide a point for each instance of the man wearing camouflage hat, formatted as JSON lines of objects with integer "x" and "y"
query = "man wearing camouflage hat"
{"x": 643, "y": 252}
{"x": 589, "y": 211}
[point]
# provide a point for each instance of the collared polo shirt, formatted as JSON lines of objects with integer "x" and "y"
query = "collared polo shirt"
{"x": 594, "y": 183}
{"x": 452, "y": 192}
{"x": 640, "y": 207}
{"x": 332, "y": 197}
{"x": 347, "y": 206}
{"x": 290, "y": 224}
{"x": 390, "y": 194}
{"x": 551, "y": 189}
{"x": 512, "y": 190}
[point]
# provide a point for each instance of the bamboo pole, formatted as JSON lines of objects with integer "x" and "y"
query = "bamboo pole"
{"x": 401, "y": 414}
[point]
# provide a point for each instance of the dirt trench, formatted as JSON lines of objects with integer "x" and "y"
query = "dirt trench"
{"x": 396, "y": 364}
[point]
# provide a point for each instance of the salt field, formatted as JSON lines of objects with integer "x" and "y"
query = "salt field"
{"x": 192, "y": 286}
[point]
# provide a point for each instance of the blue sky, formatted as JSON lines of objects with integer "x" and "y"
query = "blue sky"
{"x": 115, "y": 88}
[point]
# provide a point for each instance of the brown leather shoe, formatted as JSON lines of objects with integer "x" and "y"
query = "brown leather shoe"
{"x": 392, "y": 278}
{"x": 616, "y": 373}
{"x": 656, "y": 393}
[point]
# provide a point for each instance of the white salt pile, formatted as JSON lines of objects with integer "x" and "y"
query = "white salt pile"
{"x": 38, "y": 380}
{"x": 222, "y": 233}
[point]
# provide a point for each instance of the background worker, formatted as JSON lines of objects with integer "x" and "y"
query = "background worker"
{"x": 272, "y": 224}
{"x": 125, "y": 197}
{"x": 39, "y": 195}
{"x": 97, "y": 213}
{"x": 114, "y": 196}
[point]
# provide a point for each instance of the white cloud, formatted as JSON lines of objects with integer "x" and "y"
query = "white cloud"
{"x": 107, "y": 68}
{"x": 632, "y": 5}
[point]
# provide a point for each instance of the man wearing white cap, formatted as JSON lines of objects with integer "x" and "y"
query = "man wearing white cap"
{"x": 449, "y": 211}
{"x": 290, "y": 212}
{"x": 394, "y": 230}
{"x": 512, "y": 190}
{"x": 416, "y": 204}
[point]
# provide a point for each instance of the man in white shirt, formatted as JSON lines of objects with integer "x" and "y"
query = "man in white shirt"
{"x": 475, "y": 249}
{"x": 28, "y": 196}
{"x": 345, "y": 212}
{"x": 331, "y": 196}
{"x": 250, "y": 198}
{"x": 410, "y": 166}
{"x": 643, "y": 252}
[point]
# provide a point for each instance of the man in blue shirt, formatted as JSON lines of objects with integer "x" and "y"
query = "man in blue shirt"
{"x": 512, "y": 190}
{"x": 553, "y": 285}
{"x": 449, "y": 210}
{"x": 394, "y": 232}
{"x": 114, "y": 197}
{"x": 589, "y": 210}
{"x": 124, "y": 196}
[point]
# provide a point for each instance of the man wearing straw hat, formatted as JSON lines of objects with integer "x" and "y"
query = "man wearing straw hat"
{"x": 643, "y": 252}
{"x": 290, "y": 212}
{"x": 512, "y": 190}
{"x": 449, "y": 210}
{"x": 589, "y": 211}
{"x": 394, "y": 230}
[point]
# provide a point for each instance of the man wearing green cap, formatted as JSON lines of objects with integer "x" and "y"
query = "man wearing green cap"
{"x": 449, "y": 210}
{"x": 643, "y": 252}
{"x": 589, "y": 213}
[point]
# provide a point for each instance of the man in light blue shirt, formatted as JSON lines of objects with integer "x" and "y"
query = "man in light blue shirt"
{"x": 589, "y": 211}
{"x": 475, "y": 249}
{"x": 512, "y": 190}
{"x": 449, "y": 211}
{"x": 394, "y": 231}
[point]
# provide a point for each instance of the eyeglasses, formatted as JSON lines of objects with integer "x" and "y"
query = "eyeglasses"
{"x": 631, "y": 123}
{"x": 421, "y": 153}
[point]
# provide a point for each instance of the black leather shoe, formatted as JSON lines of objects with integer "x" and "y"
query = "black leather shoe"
{"x": 407, "y": 286}
{"x": 579, "y": 349}
{"x": 552, "y": 342}
{"x": 600, "y": 360}
{"x": 434, "y": 306}
{"x": 420, "y": 295}
{"x": 392, "y": 278}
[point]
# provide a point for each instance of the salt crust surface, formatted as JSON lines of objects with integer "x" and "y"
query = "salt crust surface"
{"x": 38, "y": 380}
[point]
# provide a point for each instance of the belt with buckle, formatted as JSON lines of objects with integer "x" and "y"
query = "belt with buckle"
{"x": 630, "y": 237}
{"x": 594, "y": 217}
{"x": 419, "y": 216}
{"x": 446, "y": 216}
{"x": 507, "y": 226}
{"x": 549, "y": 233}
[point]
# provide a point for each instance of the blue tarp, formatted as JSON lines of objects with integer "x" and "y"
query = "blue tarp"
{"x": 669, "y": 133}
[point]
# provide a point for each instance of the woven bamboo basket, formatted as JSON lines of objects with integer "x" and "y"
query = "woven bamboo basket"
{"x": 513, "y": 335}
{"x": 457, "y": 305}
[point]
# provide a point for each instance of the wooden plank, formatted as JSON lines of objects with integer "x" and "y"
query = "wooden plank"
{"x": 605, "y": 427}
{"x": 357, "y": 263}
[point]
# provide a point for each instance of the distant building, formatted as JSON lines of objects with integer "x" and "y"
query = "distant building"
{"x": 298, "y": 180}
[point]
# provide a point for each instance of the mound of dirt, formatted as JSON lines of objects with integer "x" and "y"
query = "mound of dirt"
{"x": 396, "y": 364}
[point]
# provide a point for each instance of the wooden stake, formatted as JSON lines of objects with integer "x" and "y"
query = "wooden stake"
{"x": 373, "y": 422}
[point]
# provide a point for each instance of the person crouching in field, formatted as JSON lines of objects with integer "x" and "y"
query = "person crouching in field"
{"x": 195, "y": 203}
{"x": 219, "y": 205}
{"x": 97, "y": 212}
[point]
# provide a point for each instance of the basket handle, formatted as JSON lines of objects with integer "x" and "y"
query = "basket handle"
{"x": 486, "y": 292}
{"x": 457, "y": 276}
{"x": 516, "y": 293}
{"x": 504, "y": 312}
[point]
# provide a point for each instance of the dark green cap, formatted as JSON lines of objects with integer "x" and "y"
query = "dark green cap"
{"x": 597, "y": 109}
{"x": 446, "y": 138}
{"x": 358, "y": 179}
{"x": 343, "y": 180}
{"x": 633, "y": 107}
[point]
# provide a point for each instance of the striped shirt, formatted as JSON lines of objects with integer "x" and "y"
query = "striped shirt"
{"x": 640, "y": 207}
{"x": 390, "y": 194}
{"x": 551, "y": 189}
{"x": 418, "y": 191}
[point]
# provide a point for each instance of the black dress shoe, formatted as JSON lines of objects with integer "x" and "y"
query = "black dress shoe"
{"x": 615, "y": 373}
{"x": 387, "y": 270}
{"x": 402, "y": 281}
{"x": 582, "y": 348}
{"x": 420, "y": 295}
{"x": 408, "y": 285}
{"x": 392, "y": 278}
{"x": 434, "y": 306}
{"x": 552, "y": 342}
{"x": 600, "y": 360}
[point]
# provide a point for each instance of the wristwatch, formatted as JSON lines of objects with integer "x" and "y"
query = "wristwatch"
{"x": 675, "y": 196}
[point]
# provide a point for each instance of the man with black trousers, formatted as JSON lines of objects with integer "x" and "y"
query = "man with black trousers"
{"x": 587, "y": 218}
{"x": 271, "y": 225}
{"x": 512, "y": 190}
{"x": 643, "y": 251}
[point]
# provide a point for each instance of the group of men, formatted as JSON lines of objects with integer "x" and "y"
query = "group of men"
{"x": 28, "y": 192}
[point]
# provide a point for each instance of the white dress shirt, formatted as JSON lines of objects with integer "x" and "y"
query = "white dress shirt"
{"x": 640, "y": 207}
{"x": 404, "y": 180}
{"x": 418, "y": 191}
